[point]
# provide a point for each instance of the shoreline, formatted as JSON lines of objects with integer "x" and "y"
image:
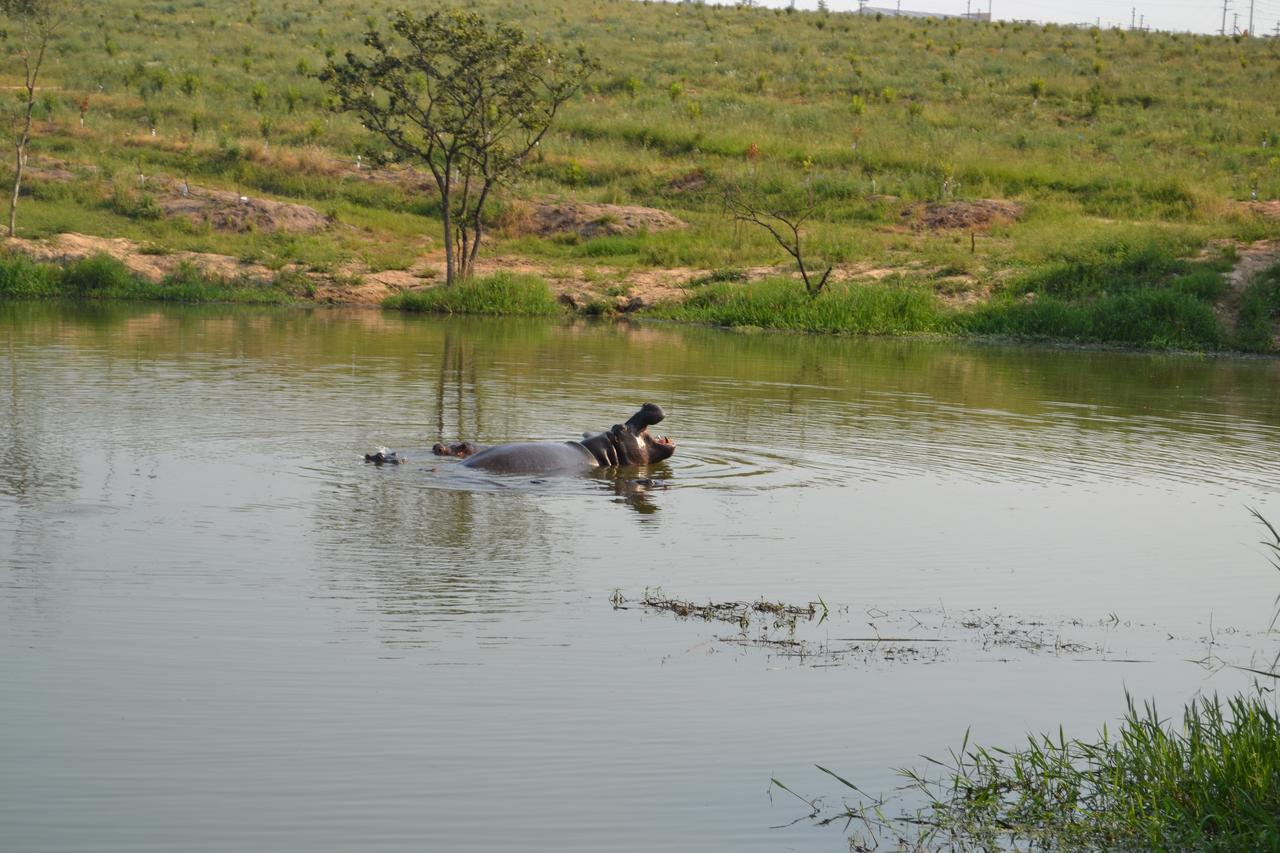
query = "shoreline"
{"x": 79, "y": 267}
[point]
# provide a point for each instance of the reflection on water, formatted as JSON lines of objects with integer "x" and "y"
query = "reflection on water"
{"x": 210, "y": 605}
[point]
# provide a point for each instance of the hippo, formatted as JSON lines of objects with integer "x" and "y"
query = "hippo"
{"x": 462, "y": 449}
{"x": 623, "y": 444}
{"x": 382, "y": 456}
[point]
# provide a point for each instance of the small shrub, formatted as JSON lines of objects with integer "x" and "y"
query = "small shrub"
{"x": 23, "y": 278}
{"x": 100, "y": 275}
{"x": 503, "y": 293}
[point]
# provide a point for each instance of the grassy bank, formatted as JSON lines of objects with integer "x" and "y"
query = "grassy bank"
{"x": 1259, "y": 311}
{"x": 1135, "y": 292}
{"x": 1099, "y": 136}
{"x": 1118, "y": 154}
{"x": 501, "y": 294}
{"x": 103, "y": 277}
{"x": 781, "y": 303}
{"x": 1140, "y": 295}
{"x": 1211, "y": 783}
{"x": 1147, "y": 300}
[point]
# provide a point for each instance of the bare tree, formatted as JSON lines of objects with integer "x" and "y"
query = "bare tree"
{"x": 783, "y": 223}
{"x": 38, "y": 24}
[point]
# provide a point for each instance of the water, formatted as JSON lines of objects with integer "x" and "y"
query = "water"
{"x": 221, "y": 630}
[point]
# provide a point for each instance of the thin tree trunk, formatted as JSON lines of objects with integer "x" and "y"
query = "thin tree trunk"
{"x": 17, "y": 186}
{"x": 446, "y": 201}
{"x": 21, "y": 146}
{"x": 478, "y": 226}
{"x": 464, "y": 228}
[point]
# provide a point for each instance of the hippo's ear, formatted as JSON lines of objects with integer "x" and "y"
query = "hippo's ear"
{"x": 619, "y": 429}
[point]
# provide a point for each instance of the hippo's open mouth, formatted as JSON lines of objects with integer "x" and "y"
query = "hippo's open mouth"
{"x": 653, "y": 447}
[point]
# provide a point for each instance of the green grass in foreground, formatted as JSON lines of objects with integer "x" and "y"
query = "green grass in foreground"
{"x": 1212, "y": 784}
{"x": 502, "y": 293}
{"x": 103, "y": 277}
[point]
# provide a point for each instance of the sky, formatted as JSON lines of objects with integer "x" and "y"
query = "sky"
{"x": 1200, "y": 16}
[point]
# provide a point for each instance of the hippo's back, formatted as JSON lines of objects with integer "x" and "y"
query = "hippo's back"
{"x": 534, "y": 457}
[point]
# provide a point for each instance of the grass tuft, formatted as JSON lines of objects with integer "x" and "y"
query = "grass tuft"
{"x": 1211, "y": 784}
{"x": 781, "y": 303}
{"x": 502, "y": 293}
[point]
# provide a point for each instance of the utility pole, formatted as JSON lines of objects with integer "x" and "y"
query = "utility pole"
{"x": 862, "y": 5}
{"x": 1225, "y": 4}
{"x": 1250, "y": 18}
{"x": 1133, "y": 17}
{"x": 1235, "y": 23}
{"x": 1142, "y": 23}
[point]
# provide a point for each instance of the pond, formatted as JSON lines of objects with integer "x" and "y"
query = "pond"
{"x": 220, "y": 629}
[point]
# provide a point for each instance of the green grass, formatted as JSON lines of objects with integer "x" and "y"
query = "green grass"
{"x": 1256, "y": 325}
{"x": 1130, "y": 156}
{"x": 1212, "y": 783}
{"x": 103, "y": 277}
{"x": 781, "y": 303}
{"x": 1134, "y": 291}
{"x": 1147, "y": 317}
{"x": 502, "y": 293}
{"x": 1131, "y": 288}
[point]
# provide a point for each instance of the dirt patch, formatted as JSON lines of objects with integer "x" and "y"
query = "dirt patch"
{"x": 1250, "y": 260}
{"x": 50, "y": 170}
{"x": 968, "y": 215}
{"x": 228, "y": 211}
{"x": 1265, "y": 209}
{"x": 595, "y": 220}
{"x": 689, "y": 182}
